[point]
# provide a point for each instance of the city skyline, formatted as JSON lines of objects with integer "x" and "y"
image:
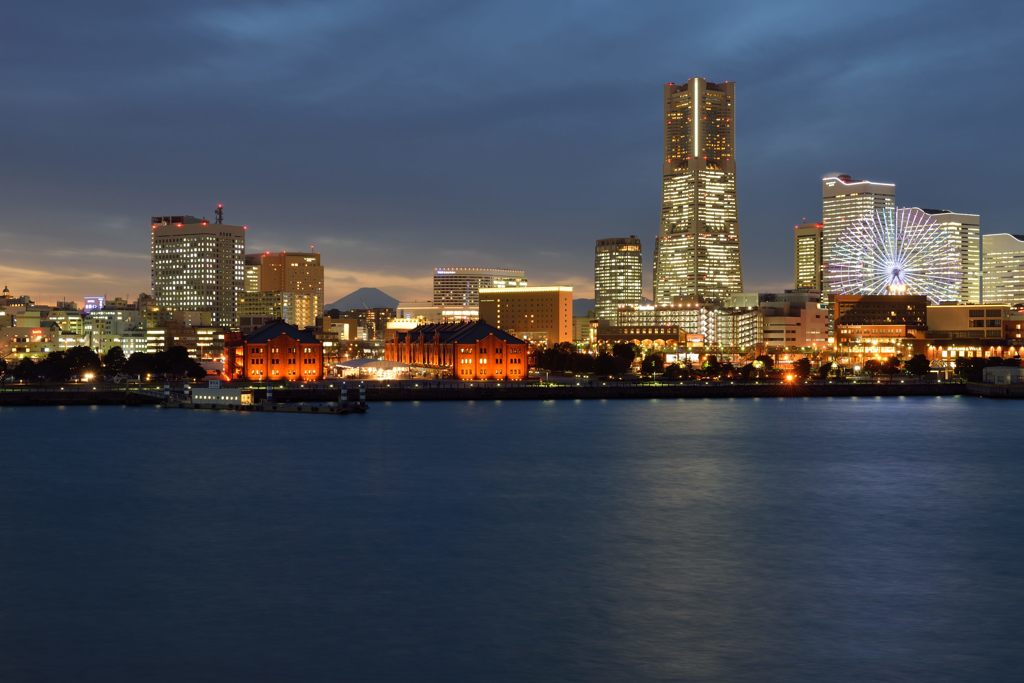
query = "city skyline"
{"x": 79, "y": 177}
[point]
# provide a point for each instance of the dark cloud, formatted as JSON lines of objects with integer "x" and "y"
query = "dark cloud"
{"x": 402, "y": 135}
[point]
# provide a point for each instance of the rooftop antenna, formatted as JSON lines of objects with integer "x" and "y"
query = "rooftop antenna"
{"x": 219, "y": 213}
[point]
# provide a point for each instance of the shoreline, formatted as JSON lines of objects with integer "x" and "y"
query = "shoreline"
{"x": 427, "y": 391}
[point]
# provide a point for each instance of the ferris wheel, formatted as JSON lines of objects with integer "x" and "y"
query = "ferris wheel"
{"x": 896, "y": 251}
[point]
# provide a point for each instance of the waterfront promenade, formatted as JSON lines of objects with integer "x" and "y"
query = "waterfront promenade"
{"x": 28, "y": 395}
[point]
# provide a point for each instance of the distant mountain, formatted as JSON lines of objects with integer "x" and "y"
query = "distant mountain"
{"x": 582, "y": 307}
{"x": 364, "y": 297}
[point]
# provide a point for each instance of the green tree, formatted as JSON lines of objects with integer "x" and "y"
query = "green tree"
{"x": 824, "y": 371}
{"x": 891, "y": 366}
{"x": 872, "y": 367}
{"x": 768, "y": 361}
{"x": 54, "y": 368}
{"x": 653, "y": 364}
{"x": 606, "y": 364}
{"x": 81, "y": 360}
{"x": 918, "y": 365}
{"x": 3, "y": 367}
{"x": 114, "y": 362}
{"x": 674, "y": 372}
{"x": 802, "y": 369}
{"x": 25, "y": 371}
{"x": 970, "y": 369}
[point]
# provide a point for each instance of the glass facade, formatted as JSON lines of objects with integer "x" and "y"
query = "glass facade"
{"x": 697, "y": 253}
{"x": 618, "y": 276}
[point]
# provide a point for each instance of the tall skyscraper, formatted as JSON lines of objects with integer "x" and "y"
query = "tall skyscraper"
{"x": 844, "y": 201}
{"x": 458, "y": 287}
{"x": 1002, "y": 268}
{"x": 963, "y": 231}
{"x": 618, "y": 276}
{"x": 697, "y": 253}
{"x": 197, "y": 267}
{"x": 807, "y": 256}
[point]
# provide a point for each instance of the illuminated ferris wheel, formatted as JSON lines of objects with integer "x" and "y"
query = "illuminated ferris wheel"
{"x": 896, "y": 251}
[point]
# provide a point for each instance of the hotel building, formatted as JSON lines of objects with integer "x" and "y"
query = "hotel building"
{"x": 618, "y": 276}
{"x": 537, "y": 314}
{"x": 844, "y": 201}
{"x": 1002, "y": 269}
{"x": 963, "y": 233}
{"x": 459, "y": 288}
{"x": 697, "y": 253}
{"x": 807, "y": 264}
{"x": 197, "y": 267}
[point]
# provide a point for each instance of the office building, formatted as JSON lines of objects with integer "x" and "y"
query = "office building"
{"x": 843, "y": 202}
{"x": 807, "y": 266}
{"x": 456, "y": 287}
{"x": 793, "y": 320}
{"x": 909, "y": 309}
{"x": 1002, "y": 268}
{"x": 537, "y": 314}
{"x": 257, "y": 309}
{"x": 198, "y": 266}
{"x": 253, "y": 269}
{"x": 963, "y": 233}
{"x": 697, "y": 253}
{"x": 294, "y": 272}
{"x": 618, "y": 276}
{"x": 468, "y": 351}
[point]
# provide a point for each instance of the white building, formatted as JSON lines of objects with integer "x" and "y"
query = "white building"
{"x": 1002, "y": 268}
{"x": 843, "y": 202}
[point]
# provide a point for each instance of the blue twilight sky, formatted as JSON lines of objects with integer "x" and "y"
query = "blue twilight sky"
{"x": 397, "y": 136}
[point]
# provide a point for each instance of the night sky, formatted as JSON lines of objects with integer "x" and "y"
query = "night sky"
{"x": 398, "y": 136}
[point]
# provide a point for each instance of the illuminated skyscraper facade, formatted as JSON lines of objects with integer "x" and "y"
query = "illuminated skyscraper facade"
{"x": 963, "y": 231}
{"x": 807, "y": 256}
{"x": 459, "y": 287}
{"x": 1002, "y": 269}
{"x": 197, "y": 267}
{"x": 844, "y": 201}
{"x": 697, "y": 253}
{"x": 618, "y": 276}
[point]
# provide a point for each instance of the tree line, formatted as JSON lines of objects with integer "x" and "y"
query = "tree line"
{"x": 81, "y": 362}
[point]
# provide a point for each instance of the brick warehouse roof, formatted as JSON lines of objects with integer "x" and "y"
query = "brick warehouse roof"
{"x": 456, "y": 333}
{"x": 275, "y": 329}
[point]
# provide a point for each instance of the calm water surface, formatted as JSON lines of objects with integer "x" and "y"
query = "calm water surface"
{"x": 698, "y": 540}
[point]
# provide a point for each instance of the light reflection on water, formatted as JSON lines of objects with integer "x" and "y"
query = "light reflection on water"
{"x": 698, "y": 540}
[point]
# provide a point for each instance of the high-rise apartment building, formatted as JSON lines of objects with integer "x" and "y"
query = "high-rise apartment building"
{"x": 539, "y": 314}
{"x": 843, "y": 202}
{"x": 963, "y": 232}
{"x": 807, "y": 256}
{"x": 697, "y": 253}
{"x": 197, "y": 267}
{"x": 458, "y": 287}
{"x": 618, "y": 276}
{"x": 1002, "y": 269}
